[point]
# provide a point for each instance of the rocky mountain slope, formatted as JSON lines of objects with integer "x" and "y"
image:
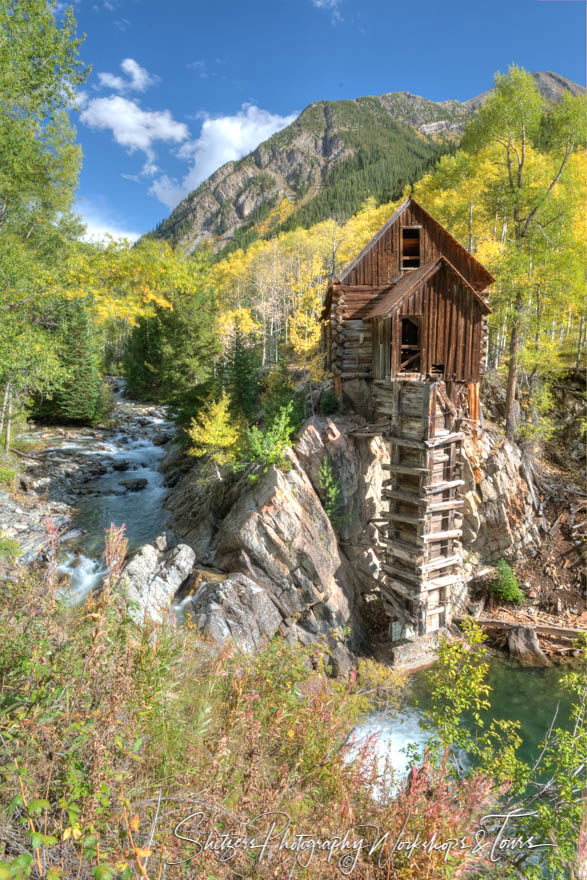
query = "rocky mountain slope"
{"x": 325, "y": 164}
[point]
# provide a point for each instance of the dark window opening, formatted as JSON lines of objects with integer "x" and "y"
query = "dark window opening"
{"x": 410, "y": 346}
{"x": 410, "y": 248}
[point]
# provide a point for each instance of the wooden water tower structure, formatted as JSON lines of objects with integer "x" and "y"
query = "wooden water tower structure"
{"x": 408, "y": 315}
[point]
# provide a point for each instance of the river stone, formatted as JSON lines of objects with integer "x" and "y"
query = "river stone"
{"x": 524, "y": 646}
{"x": 134, "y": 485}
{"x": 150, "y": 581}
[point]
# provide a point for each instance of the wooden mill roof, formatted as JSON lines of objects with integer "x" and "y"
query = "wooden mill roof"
{"x": 412, "y": 281}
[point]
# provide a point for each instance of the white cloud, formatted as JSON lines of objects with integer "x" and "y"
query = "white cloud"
{"x": 332, "y": 6}
{"x": 221, "y": 140}
{"x": 134, "y": 128}
{"x": 138, "y": 78}
{"x": 100, "y": 226}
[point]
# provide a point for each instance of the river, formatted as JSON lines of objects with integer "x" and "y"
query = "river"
{"x": 130, "y": 453}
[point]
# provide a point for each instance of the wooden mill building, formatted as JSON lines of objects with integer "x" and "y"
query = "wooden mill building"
{"x": 408, "y": 315}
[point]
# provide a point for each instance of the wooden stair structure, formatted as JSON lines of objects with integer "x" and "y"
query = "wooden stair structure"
{"x": 419, "y": 546}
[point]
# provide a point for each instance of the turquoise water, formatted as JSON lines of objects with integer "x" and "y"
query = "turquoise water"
{"x": 527, "y": 695}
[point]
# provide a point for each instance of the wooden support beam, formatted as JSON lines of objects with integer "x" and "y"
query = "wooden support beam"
{"x": 411, "y": 444}
{"x": 542, "y": 629}
{"x": 406, "y": 469}
{"x": 443, "y": 487}
{"x": 442, "y": 536}
{"x": 438, "y": 583}
{"x": 414, "y": 554}
{"x": 406, "y": 517}
{"x": 401, "y": 588}
{"x": 401, "y": 572}
{"x": 445, "y": 505}
{"x": 441, "y": 562}
{"x": 396, "y": 495}
{"x": 442, "y": 441}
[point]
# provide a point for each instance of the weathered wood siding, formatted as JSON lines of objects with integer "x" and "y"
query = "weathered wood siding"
{"x": 451, "y": 331}
{"x": 381, "y": 265}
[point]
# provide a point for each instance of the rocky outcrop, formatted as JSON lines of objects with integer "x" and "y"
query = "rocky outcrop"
{"x": 287, "y": 571}
{"x": 498, "y": 515}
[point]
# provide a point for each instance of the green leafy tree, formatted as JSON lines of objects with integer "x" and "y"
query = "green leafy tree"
{"x": 39, "y": 165}
{"x": 170, "y": 354}
{"x": 39, "y": 75}
{"x": 77, "y": 399}
{"x": 240, "y": 375}
{"x": 533, "y": 147}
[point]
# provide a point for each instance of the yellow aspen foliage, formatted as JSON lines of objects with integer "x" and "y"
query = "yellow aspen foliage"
{"x": 241, "y": 317}
{"x": 216, "y": 433}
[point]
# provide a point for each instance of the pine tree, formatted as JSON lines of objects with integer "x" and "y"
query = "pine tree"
{"x": 215, "y": 433}
{"x": 241, "y": 374}
{"x": 77, "y": 399}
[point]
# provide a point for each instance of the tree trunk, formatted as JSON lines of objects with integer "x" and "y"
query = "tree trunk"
{"x": 580, "y": 344}
{"x": 511, "y": 414}
{"x": 8, "y": 421}
{"x": 4, "y": 406}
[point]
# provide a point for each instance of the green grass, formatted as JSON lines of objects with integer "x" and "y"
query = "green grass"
{"x": 9, "y": 549}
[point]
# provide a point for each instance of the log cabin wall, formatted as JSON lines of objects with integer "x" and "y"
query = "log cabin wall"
{"x": 349, "y": 353}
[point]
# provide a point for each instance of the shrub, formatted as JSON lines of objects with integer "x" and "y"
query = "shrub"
{"x": 279, "y": 392}
{"x": 267, "y": 448}
{"x": 505, "y": 587}
{"x": 7, "y": 475}
{"x": 331, "y": 492}
{"x": 9, "y": 548}
{"x": 329, "y": 403}
{"x": 215, "y": 433}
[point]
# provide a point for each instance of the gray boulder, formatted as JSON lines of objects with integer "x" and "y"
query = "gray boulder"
{"x": 524, "y": 646}
{"x": 151, "y": 579}
{"x": 135, "y": 484}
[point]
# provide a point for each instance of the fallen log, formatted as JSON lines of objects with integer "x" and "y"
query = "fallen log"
{"x": 540, "y": 628}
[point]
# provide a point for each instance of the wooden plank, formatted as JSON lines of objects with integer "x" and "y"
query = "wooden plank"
{"x": 442, "y": 536}
{"x": 441, "y": 563}
{"x": 397, "y": 495}
{"x": 452, "y": 504}
{"x": 443, "y": 441}
{"x": 405, "y": 517}
{"x": 541, "y": 628}
{"x": 409, "y": 469}
{"x": 400, "y": 572}
{"x": 443, "y": 487}
{"x": 411, "y": 444}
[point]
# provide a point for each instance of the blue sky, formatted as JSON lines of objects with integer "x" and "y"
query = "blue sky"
{"x": 179, "y": 87}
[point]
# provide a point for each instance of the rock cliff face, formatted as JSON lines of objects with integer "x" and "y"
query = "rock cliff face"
{"x": 254, "y": 560}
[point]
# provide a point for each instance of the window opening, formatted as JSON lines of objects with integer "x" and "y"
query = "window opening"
{"x": 410, "y": 247}
{"x": 410, "y": 346}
